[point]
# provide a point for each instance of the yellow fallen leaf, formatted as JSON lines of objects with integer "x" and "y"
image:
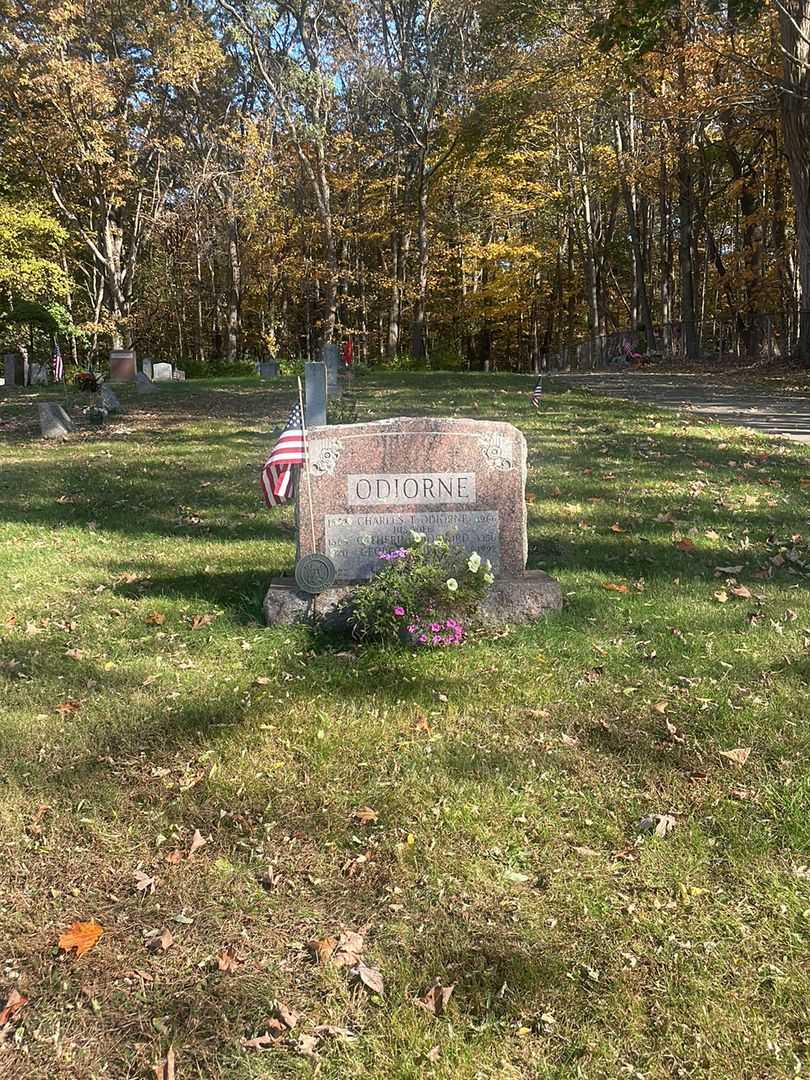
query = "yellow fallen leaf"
{"x": 738, "y": 756}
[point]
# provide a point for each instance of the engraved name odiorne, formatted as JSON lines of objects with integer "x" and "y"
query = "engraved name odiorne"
{"x": 410, "y": 489}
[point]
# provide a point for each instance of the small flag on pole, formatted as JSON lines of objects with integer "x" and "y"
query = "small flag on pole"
{"x": 278, "y": 478}
{"x": 537, "y": 393}
{"x": 58, "y": 364}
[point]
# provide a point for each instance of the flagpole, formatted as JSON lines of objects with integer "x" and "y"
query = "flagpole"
{"x": 306, "y": 462}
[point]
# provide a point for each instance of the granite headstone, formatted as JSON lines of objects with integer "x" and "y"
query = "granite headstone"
{"x": 315, "y": 388}
{"x": 16, "y": 369}
{"x": 54, "y": 422}
{"x": 143, "y": 384}
{"x": 161, "y": 372}
{"x": 110, "y": 402}
{"x": 123, "y": 365}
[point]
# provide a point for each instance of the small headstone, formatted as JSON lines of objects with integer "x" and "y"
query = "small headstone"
{"x": 161, "y": 372}
{"x": 54, "y": 422}
{"x": 123, "y": 365}
{"x": 16, "y": 369}
{"x": 330, "y": 355}
{"x": 38, "y": 374}
{"x": 268, "y": 369}
{"x": 146, "y": 367}
{"x": 179, "y": 375}
{"x": 143, "y": 384}
{"x": 315, "y": 387}
{"x": 110, "y": 402}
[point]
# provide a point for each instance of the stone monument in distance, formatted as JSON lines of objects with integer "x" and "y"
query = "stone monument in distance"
{"x": 372, "y": 484}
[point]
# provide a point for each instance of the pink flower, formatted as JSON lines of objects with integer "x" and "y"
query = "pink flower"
{"x": 398, "y": 611}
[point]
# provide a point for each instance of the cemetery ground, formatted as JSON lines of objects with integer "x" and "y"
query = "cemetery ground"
{"x": 474, "y": 815}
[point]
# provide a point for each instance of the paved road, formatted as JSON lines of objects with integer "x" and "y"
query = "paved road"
{"x": 769, "y": 412}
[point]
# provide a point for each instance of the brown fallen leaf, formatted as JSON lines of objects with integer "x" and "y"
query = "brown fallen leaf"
{"x": 611, "y": 586}
{"x": 144, "y": 883}
{"x": 198, "y": 621}
{"x": 288, "y": 1017}
{"x": 616, "y": 527}
{"x": 661, "y": 706}
{"x": 74, "y": 654}
{"x": 349, "y": 949}
{"x": 67, "y": 708}
{"x": 322, "y": 949}
{"x": 160, "y": 941}
{"x": 370, "y": 978}
{"x": 164, "y": 1070}
{"x": 227, "y": 961}
{"x": 174, "y": 857}
{"x": 266, "y": 1041}
{"x": 81, "y": 936}
{"x": 585, "y": 852}
{"x": 262, "y": 680}
{"x": 738, "y": 756}
{"x": 14, "y": 1004}
{"x": 35, "y": 825}
{"x": 156, "y": 618}
{"x": 686, "y": 544}
{"x": 197, "y": 841}
{"x": 365, "y": 815}
{"x": 741, "y": 591}
{"x": 435, "y": 998}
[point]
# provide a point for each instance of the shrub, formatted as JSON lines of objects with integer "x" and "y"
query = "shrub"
{"x": 425, "y": 595}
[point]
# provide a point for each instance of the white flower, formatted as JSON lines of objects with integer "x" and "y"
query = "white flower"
{"x": 417, "y": 537}
{"x": 474, "y": 563}
{"x": 488, "y": 566}
{"x": 489, "y": 578}
{"x": 452, "y": 584}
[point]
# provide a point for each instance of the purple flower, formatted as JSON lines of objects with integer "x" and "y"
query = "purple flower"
{"x": 435, "y": 627}
{"x": 437, "y": 639}
{"x": 399, "y": 611}
{"x": 412, "y": 628}
{"x": 423, "y": 639}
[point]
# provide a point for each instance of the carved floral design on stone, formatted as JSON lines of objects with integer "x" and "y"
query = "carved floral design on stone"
{"x": 323, "y": 456}
{"x": 497, "y": 452}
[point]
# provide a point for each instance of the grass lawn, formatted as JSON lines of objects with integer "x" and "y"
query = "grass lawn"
{"x": 141, "y": 699}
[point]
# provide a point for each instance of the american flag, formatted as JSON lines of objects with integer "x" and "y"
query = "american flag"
{"x": 56, "y": 360}
{"x": 278, "y": 477}
{"x": 537, "y": 393}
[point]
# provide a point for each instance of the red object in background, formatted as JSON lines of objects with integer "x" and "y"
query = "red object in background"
{"x": 347, "y": 353}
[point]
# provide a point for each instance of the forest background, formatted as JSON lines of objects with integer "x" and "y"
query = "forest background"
{"x": 449, "y": 183}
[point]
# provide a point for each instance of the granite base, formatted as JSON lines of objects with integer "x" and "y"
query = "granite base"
{"x": 509, "y": 601}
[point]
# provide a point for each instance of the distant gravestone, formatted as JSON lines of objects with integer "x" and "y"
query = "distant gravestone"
{"x": 38, "y": 374}
{"x": 54, "y": 422}
{"x": 179, "y": 375}
{"x": 143, "y": 384}
{"x": 330, "y": 355}
{"x": 161, "y": 372}
{"x": 16, "y": 369}
{"x": 369, "y": 486}
{"x": 315, "y": 388}
{"x": 146, "y": 367}
{"x": 268, "y": 369}
{"x": 123, "y": 365}
{"x": 110, "y": 402}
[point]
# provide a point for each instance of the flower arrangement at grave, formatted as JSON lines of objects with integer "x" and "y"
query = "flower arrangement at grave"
{"x": 87, "y": 381}
{"x": 425, "y": 595}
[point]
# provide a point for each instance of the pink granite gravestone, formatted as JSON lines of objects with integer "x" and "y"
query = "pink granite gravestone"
{"x": 373, "y": 484}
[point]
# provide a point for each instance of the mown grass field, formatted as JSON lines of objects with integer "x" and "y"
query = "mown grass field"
{"x": 508, "y": 778}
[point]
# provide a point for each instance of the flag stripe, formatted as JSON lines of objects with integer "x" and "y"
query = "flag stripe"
{"x": 278, "y": 474}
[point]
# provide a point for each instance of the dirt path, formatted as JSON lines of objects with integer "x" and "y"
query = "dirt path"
{"x": 769, "y": 412}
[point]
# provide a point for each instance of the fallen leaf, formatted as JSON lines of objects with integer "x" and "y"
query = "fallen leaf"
{"x": 197, "y": 841}
{"x": 661, "y": 706}
{"x": 269, "y": 878}
{"x": 227, "y": 961}
{"x": 198, "y": 621}
{"x": 585, "y": 852}
{"x": 322, "y": 949}
{"x": 174, "y": 857}
{"x": 741, "y": 591}
{"x": 435, "y": 998}
{"x": 673, "y": 732}
{"x": 365, "y": 815}
{"x": 160, "y": 941}
{"x": 370, "y": 977}
{"x": 686, "y": 544}
{"x": 74, "y": 654}
{"x": 433, "y": 1054}
{"x": 262, "y": 680}
{"x": 738, "y": 756}
{"x": 616, "y": 527}
{"x": 266, "y": 1041}
{"x": 14, "y": 1004}
{"x": 164, "y": 1070}
{"x": 156, "y": 618}
{"x": 330, "y": 1031}
{"x": 82, "y": 937}
{"x": 306, "y": 1046}
{"x": 349, "y": 949}
{"x": 613, "y": 587}
{"x": 721, "y": 596}
{"x": 285, "y": 1015}
{"x": 67, "y": 708}
{"x": 658, "y": 824}
{"x": 143, "y": 882}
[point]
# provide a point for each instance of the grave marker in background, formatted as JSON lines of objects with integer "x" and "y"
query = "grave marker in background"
{"x": 316, "y": 394}
{"x": 123, "y": 365}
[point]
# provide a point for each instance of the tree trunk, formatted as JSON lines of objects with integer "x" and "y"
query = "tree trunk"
{"x": 235, "y": 289}
{"x": 688, "y": 322}
{"x": 631, "y": 209}
{"x": 392, "y": 344}
{"x": 418, "y": 325}
{"x": 794, "y": 23}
